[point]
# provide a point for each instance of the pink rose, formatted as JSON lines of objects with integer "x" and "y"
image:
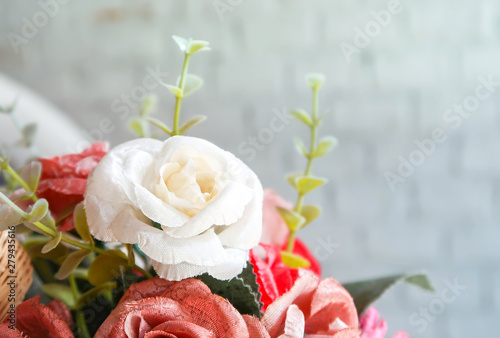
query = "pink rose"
{"x": 37, "y": 320}
{"x": 371, "y": 327}
{"x": 312, "y": 307}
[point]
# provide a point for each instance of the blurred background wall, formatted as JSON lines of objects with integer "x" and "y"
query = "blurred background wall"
{"x": 401, "y": 75}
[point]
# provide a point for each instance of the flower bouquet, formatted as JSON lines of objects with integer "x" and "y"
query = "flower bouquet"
{"x": 172, "y": 238}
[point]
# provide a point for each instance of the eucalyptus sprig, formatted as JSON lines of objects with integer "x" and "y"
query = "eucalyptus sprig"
{"x": 302, "y": 215}
{"x": 186, "y": 84}
{"x": 38, "y": 219}
{"x": 27, "y": 131}
{"x": 140, "y": 125}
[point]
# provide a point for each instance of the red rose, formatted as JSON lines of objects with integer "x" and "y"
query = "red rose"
{"x": 38, "y": 320}
{"x": 64, "y": 180}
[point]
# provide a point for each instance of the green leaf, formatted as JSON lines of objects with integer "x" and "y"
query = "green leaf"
{"x": 310, "y": 213}
{"x": 174, "y": 89}
{"x": 366, "y": 292}
{"x": 242, "y": 291}
{"x": 191, "y": 84}
{"x": 49, "y": 221}
{"x": 159, "y": 124}
{"x": 9, "y": 217}
{"x": 135, "y": 126}
{"x": 81, "y": 225}
{"x": 196, "y": 46}
{"x": 292, "y": 179}
{"x": 192, "y": 122}
{"x": 181, "y": 42}
{"x": 28, "y": 132}
{"x": 10, "y": 108}
{"x": 71, "y": 262}
{"x": 302, "y": 116}
{"x": 104, "y": 268}
{"x": 148, "y": 106}
{"x": 299, "y": 145}
{"x": 92, "y": 294}
{"x": 306, "y": 184}
{"x": 294, "y": 261}
{"x": 326, "y": 145}
{"x": 31, "y": 174}
{"x": 38, "y": 211}
{"x": 34, "y": 246}
{"x": 315, "y": 80}
{"x": 293, "y": 220}
{"x": 4, "y": 164}
{"x": 52, "y": 244}
{"x": 60, "y": 292}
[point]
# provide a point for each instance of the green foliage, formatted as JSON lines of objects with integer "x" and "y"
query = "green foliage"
{"x": 31, "y": 174}
{"x": 9, "y": 217}
{"x": 60, "y": 292}
{"x": 315, "y": 80}
{"x": 325, "y": 145}
{"x": 191, "y": 84}
{"x": 302, "y": 116}
{"x": 38, "y": 211}
{"x": 191, "y": 123}
{"x": 310, "y": 213}
{"x": 242, "y": 291}
{"x": 306, "y": 184}
{"x": 71, "y": 262}
{"x": 294, "y": 261}
{"x": 105, "y": 268}
{"x": 52, "y": 244}
{"x": 81, "y": 225}
{"x": 293, "y": 220}
{"x": 178, "y": 92}
{"x": 160, "y": 125}
{"x": 300, "y": 147}
{"x": 366, "y": 292}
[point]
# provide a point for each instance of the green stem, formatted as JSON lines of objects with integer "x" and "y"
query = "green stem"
{"x": 11, "y": 204}
{"x": 310, "y": 158}
{"x": 89, "y": 247}
{"x": 179, "y": 98}
{"x": 74, "y": 286}
{"x": 83, "y": 330}
{"x": 19, "y": 180}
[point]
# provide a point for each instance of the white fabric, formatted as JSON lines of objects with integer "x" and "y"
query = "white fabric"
{"x": 206, "y": 201}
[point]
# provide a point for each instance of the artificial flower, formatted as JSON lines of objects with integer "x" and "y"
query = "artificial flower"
{"x": 190, "y": 206}
{"x": 313, "y": 307}
{"x": 160, "y": 308}
{"x": 275, "y": 231}
{"x": 38, "y": 320}
{"x": 372, "y": 327}
{"x": 273, "y": 276}
{"x": 64, "y": 179}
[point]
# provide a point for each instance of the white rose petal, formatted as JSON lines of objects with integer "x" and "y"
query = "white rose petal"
{"x": 192, "y": 207}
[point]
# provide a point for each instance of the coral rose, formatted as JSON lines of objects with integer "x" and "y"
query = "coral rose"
{"x": 160, "y": 308}
{"x": 64, "y": 179}
{"x": 37, "y": 320}
{"x": 313, "y": 307}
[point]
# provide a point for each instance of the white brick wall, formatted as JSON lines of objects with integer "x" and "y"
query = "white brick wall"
{"x": 442, "y": 219}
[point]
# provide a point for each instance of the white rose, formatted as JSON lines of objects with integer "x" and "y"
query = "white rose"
{"x": 190, "y": 206}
